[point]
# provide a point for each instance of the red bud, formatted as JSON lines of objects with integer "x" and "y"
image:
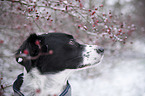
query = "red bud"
{"x": 37, "y": 42}
{"x": 79, "y": 26}
{"x": 25, "y": 52}
{"x": 93, "y": 13}
{"x": 38, "y": 90}
{"x": 1, "y": 41}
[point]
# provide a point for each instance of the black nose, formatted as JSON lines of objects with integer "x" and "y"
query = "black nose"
{"x": 100, "y": 50}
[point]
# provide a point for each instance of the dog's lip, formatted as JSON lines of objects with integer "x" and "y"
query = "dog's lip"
{"x": 86, "y": 65}
{"x": 82, "y": 66}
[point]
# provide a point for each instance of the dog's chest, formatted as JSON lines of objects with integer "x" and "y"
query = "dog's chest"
{"x": 35, "y": 84}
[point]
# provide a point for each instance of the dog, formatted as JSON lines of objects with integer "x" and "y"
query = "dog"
{"x": 48, "y": 60}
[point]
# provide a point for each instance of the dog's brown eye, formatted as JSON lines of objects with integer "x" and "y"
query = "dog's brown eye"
{"x": 71, "y": 42}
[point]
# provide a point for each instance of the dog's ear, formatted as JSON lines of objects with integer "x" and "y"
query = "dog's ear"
{"x": 29, "y": 48}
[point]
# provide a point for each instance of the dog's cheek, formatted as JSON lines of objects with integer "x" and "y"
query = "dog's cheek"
{"x": 74, "y": 63}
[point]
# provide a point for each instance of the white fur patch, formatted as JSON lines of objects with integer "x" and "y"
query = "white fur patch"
{"x": 90, "y": 55}
{"x": 47, "y": 84}
{"x": 20, "y": 60}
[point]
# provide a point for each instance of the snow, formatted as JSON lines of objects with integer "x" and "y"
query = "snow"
{"x": 113, "y": 2}
{"x": 125, "y": 79}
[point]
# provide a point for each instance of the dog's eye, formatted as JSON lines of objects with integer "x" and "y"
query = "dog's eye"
{"x": 71, "y": 42}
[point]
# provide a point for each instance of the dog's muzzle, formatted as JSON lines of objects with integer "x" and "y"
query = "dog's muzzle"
{"x": 92, "y": 55}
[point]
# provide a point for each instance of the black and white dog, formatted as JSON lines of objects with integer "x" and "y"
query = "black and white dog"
{"x": 49, "y": 59}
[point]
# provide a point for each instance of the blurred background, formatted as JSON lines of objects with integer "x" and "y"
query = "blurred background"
{"x": 116, "y": 25}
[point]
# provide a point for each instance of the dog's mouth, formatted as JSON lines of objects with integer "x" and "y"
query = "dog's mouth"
{"x": 87, "y": 65}
{"x": 82, "y": 66}
{"x": 90, "y": 64}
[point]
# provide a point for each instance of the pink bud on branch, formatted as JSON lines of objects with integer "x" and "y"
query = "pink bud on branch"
{"x": 50, "y": 52}
{"x": 79, "y": 26}
{"x": 38, "y": 91}
{"x": 101, "y": 5}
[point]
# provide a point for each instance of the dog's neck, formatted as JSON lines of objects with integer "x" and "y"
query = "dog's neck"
{"x": 45, "y": 85}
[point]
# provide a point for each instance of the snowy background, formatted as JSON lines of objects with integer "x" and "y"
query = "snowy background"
{"x": 121, "y": 72}
{"x": 118, "y": 75}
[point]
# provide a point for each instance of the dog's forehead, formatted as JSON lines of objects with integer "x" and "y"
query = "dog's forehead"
{"x": 57, "y": 36}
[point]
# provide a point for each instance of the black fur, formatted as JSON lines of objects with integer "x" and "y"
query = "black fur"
{"x": 65, "y": 55}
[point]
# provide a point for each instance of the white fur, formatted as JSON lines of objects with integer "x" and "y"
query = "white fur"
{"x": 49, "y": 84}
{"x": 90, "y": 55}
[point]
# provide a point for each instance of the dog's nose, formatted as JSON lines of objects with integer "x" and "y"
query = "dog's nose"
{"x": 100, "y": 50}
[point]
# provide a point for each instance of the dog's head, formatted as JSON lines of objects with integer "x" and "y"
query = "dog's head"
{"x": 55, "y": 52}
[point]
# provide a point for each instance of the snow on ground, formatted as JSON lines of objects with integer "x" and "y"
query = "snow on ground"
{"x": 117, "y": 75}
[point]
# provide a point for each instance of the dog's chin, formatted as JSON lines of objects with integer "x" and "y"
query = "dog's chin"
{"x": 84, "y": 66}
{"x": 89, "y": 65}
